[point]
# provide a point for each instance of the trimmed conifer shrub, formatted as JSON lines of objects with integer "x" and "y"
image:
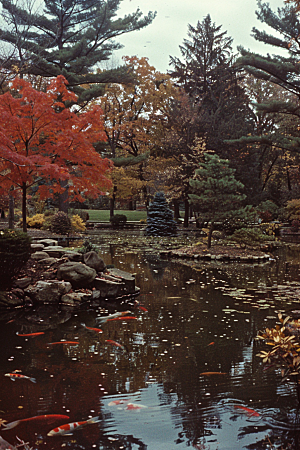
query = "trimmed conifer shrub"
{"x": 61, "y": 223}
{"x": 160, "y": 220}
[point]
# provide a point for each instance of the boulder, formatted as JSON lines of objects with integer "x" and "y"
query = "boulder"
{"x": 77, "y": 273}
{"x": 22, "y": 283}
{"x": 48, "y": 291}
{"x": 10, "y": 300}
{"x": 47, "y": 262}
{"x": 73, "y": 256}
{"x": 39, "y": 255}
{"x": 36, "y": 247}
{"x": 47, "y": 242}
{"x": 92, "y": 259}
{"x": 55, "y": 251}
{"x": 109, "y": 288}
{"x": 76, "y": 298}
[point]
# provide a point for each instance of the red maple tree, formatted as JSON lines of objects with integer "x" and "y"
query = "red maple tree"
{"x": 41, "y": 140}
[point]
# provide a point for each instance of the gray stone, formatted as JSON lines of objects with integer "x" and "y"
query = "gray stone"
{"x": 75, "y": 298}
{"x": 127, "y": 278}
{"x": 77, "y": 273}
{"x": 10, "y": 300}
{"x": 47, "y": 262}
{"x": 92, "y": 259}
{"x": 36, "y": 247}
{"x": 48, "y": 291}
{"x": 47, "y": 242}
{"x": 73, "y": 256}
{"x": 109, "y": 288}
{"x": 22, "y": 283}
{"x": 39, "y": 255}
{"x": 55, "y": 251}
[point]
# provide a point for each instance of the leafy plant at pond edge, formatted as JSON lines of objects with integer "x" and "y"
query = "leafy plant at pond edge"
{"x": 285, "y": 350}
{"x": 88, "y": 246}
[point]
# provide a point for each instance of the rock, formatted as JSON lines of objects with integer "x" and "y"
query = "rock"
{"x": 47, "y": 242}
{"x": 75, "y": 298}
{"x": 39, "y": 255}
{"x": 73, "y": 256}
{"x": 10, "y": 300}
{"x": 127, "y": 278}
{"x": 22, "y": 283}
{"x": 55, "y": 251}
{"x": 92, "y": 259}
{"x": 79, "y": 274}
{"x": 109, "y": 288}
{"x": 36, "y": 247}
{"x": 47, "y": 262}
{"x": 48, "y": 291}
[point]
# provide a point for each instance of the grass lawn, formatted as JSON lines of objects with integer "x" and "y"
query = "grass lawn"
{"x": 101, "y": 215}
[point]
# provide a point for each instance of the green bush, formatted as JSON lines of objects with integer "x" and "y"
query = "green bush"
{"x": 60, "y": 223}
{"x": 15, "y": 251}
{"x": 88, "y": 246}
{"x": 249, "y": 236}
{"x": 118, "y": 220}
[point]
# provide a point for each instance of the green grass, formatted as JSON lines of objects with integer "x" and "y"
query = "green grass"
{"x": 99, "y": 215}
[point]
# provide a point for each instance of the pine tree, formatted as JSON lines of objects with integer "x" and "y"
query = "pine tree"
{"x": 278, "y": 70}
{"x": 217, "y": 195}
{"x": 69, "y": 37}
{"x": 160, "y": 220}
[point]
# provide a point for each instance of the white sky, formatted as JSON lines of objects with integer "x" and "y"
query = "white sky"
{"x": 168, "y": 30}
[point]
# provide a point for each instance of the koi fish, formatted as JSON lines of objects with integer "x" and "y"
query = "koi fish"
{"x": 211, "y": 343}
{"x": 116, "y": 344}
{"x": 64, "y": 342}
{"x": 117, "y": 402}
{"x": 92, "y": 329}
{"x": 134, "y": 407}
{"x": 68, "y": 428}
{"x": 122, "y": 318}
{"x": 13, "y": 376}
{"x": 104, "y": 319}
{"x": 142, "y": 308}
{"x": 48, "y": 417}
{"x": 30, "y": 334}
{"x": 213, "y": 373}
{"x": 248, "y": 411}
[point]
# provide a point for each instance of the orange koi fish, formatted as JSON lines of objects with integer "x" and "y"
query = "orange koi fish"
{"x": 92, "y": 329}
{"x": 134, "y": 407}
{"x": 116, "y": 344}
{"x": 248, "y": 411}
{"x": 68, "y": 428}
{"x": 117, "y": 402}
{"x": 211, "y": 343}
{"x": 213, "y": 373}
{"x": 13, "y": 376}
{"x": 122, "y": 318}
{"x": 31, "y": 334}
{"x": 48, "y": 417}
{"x": 64, "y": 342}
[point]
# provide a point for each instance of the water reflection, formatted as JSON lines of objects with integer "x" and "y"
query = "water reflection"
{"x": 154, "y": 393}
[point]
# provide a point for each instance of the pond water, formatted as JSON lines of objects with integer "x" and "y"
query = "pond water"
{"x": 154, "y": 392}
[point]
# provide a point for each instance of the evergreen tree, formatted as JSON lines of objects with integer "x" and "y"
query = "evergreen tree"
{"x": 280, "y": 71}
{"x": 69, "y": 37}
{"x": 160, "y": 220}
{"x": 216, "y": 192}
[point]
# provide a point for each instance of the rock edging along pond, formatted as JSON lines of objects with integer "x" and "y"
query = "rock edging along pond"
{"x": 60, "y": 276}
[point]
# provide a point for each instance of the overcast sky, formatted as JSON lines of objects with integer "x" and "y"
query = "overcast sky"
{"x": 168, "y": 30}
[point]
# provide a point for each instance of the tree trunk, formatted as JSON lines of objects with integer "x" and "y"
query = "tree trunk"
{"x": 211, "y": 228}
{"x": 186, "y": 213}
{"x": 63, "y": 199}
{"x": 11, "y": 212}
{"x": 112, "y": 201}
{"x": 176, "y": 209}
{"x": 24, "y": 190}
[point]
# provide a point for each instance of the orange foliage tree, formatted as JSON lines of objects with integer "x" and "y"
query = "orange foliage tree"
{"x": 43, "y": 142}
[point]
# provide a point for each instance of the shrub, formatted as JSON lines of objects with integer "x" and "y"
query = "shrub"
{"x": 36, "y": 221}
{"x": 60, "y": 223}
{"x": 77, "y": 223}
{"x": 295, "y": 225}
{"x": 15, "y": 251}
{"x": 292, "y": 209}
{"x": 118, "y": 220}
{"x": 249, "y": 236}
{"x": 88, "y": 247}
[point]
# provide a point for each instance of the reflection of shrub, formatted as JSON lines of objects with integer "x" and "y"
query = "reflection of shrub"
{"x": 35, "y": 221}
{"x": 77, "y": 223}
{"x": 118, "y": 220}
{"x": 14, "y": 253}
{"x": 60, "y": 223}
{"x": 266, "y": 216}
{"x": 295, "y": 225}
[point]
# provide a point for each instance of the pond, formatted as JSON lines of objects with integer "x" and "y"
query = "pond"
{"x": 186, "y": 374}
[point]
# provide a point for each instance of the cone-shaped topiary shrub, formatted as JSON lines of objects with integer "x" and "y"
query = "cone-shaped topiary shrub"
{"x": 160, "y": 220}
{"x": 14, "y": 253}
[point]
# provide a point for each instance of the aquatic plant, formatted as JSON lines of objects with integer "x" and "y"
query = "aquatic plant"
{"x": 284, "y": 353}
